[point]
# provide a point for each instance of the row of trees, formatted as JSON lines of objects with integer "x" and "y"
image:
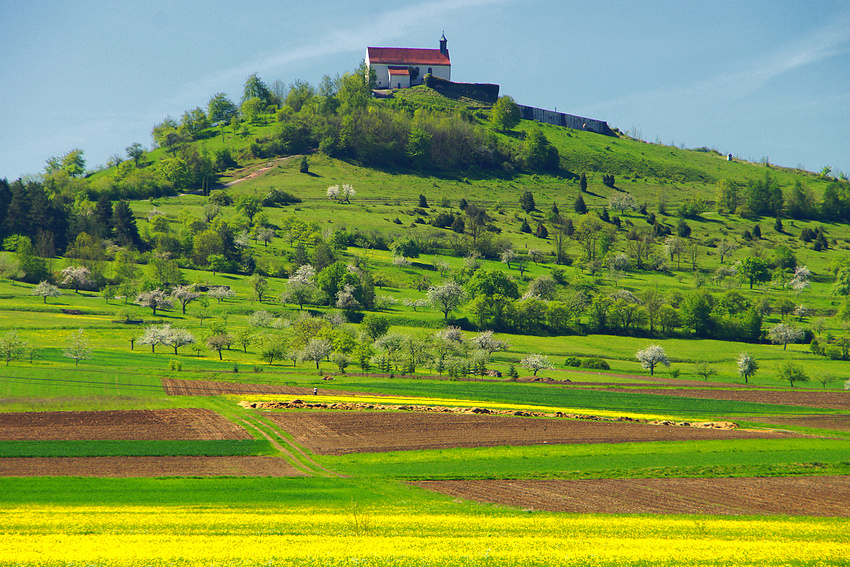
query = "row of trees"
{"x": 765, "y": 197}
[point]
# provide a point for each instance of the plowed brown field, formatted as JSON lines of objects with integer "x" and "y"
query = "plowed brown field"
{"x": 833, "y": 422}
{"x": 207, "y": 388}
{"x": 337, "y": 433}
{"x": 164, "y": 424}
{"x": 147, "y": 466}
{"x": 797, "y": 496}
{"x": 839, "y": 400}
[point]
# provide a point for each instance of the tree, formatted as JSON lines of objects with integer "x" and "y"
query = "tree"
{"x": 704, "y": 369}
{"x": 538, "y": 152}
{"x": 155, "y": 299}
{"x": 536, "y": 362}
{"x": 124, "y": 225}
{"x": 784, "y": 334}
{"x": 315, "y": 350}
{"x": 244, "y": 337}
{"x": 747, "y": 366}
{"x": 342, "y": 194}
{"x": 792, "y": 372}
{"x": 505, "y": 114}
{"x": 273, "y": 348}
{"x": 46, "y": 289}
{"x": 176, "y": 337}
{"x": 579, "y": 205}
{"x": 447, "y": 297}
{"x": 154, "y": 335}
{"x": 582, "y": 185}
{"x": 341, "y": 360}
{"x": 219, "y": 342}
{"x": 256, "y": 88}
{"x": 652, "y": 356}
{"x": 755, "y": 269}
{"x": 526, "y": 202}
{"x": 346, "y": 300}
{"x": 12, "y": 346}
{"x": 249, "y": 205}
{"x": 507, "y": 256}
{"x": 221, "y": 293}
{"x": 725, "y": 248}
{"x": 487, "y": 343}
{"x": 622, "y": 202}
{"x": 78, "y": 347}
{"x": 259, "y": 286}
{"x": 220, "y": 109}
{"x": 77, "y": 276}
{"x": 73, "y": 163}
{"x": 300, "y": 288}
{"x": 374, "y": 326}
{"x": 136, "y": 152}
{"x": 185, "y": 294}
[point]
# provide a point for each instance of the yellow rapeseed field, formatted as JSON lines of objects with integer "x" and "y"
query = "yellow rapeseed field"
{"x": 222, "y": 536}
{"x": 448, "y": 402}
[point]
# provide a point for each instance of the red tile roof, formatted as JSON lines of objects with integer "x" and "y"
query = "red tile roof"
{"x": 398, "y": 70}
{"x": 407, "y": 56}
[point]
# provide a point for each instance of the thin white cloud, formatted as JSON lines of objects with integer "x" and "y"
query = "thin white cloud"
{"x": 819, "y": 45}
{"x": 387, "y": 26}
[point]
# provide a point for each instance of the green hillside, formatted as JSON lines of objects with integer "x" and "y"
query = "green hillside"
{"x": 676, "y": 244}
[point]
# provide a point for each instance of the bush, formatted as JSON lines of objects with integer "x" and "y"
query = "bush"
{"x": 833, "y": 352}
{"x": 595, "y": 364}
{"x": 572, "y": 362}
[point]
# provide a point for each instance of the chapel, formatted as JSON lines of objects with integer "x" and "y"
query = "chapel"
{"x": 403, "y": 67}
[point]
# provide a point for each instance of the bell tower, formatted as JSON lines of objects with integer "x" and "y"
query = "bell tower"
{"x": 444, "y": 45}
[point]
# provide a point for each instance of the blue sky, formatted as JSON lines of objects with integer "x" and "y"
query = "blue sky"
{"x": 756, "y": 79}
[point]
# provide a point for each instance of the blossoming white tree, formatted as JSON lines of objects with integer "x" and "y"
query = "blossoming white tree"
{"x": 185, "y": 294}
{"x": 447, "y": 297}
{"x": 342, "y": 194}
{"x": 155, "y": 299}
{"x": 76, "y": 276}
{"x": 46, "y": 289}
{"x": 176, "y": 337}
{"x": 536, "y": 362}
{"x": 221, "y": 293}
{"x": 154, "y": 335}
{"x": 488, "y": 343}
{"x": 652, "y": 356}
{"x": 300, "y": 288}
{"x": 747, "y": 366}
{"x": 78, "y": 347}
{"x": 784, "y": 334}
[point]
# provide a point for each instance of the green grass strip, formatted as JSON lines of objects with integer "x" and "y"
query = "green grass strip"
{"x": 222, "y": 448}
{"x": 601, "y": 460}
